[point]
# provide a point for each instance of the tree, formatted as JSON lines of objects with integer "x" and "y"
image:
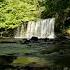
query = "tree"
{"x": 13, "y": 12}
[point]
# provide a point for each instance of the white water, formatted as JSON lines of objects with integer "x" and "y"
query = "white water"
{"x": 41, "y": 29}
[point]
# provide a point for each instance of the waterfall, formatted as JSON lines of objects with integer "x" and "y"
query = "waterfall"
{"x": 43, "y": 28}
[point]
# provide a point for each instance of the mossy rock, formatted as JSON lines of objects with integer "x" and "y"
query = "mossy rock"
{"x": 67, "y": 32}
{"x": 23, "y": 61}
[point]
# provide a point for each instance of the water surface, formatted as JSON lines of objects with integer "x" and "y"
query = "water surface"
{"x": 48, "y": 55}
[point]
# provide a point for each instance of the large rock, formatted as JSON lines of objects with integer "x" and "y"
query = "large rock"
{"x": 34, "y": 39}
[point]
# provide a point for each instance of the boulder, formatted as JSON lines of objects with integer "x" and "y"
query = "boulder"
{"x": 26, "y": 41}
{"x": 34, "y": 39}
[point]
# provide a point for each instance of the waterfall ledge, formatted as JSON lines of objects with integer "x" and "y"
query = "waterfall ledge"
{"x": 43, "y": 28}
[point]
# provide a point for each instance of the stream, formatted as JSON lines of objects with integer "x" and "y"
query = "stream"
{"x": 43, "y": 54}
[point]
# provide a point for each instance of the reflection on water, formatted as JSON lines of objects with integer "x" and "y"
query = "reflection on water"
{"x": 41, "y": 55}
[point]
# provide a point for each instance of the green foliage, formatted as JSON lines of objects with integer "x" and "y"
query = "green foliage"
{"x": 54, "y": 7}
{"x": 60, "y": 9}
{"x": 13, "y": 12}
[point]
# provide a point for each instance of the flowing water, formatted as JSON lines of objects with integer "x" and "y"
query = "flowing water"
{"x": 40, "y": 55}
{"x": 41, "y": 29}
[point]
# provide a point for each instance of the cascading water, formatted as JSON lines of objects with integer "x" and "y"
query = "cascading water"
{"x": 41, "y": 29}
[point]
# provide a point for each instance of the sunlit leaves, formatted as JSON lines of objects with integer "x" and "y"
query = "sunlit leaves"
{"x": 12, "y": 12}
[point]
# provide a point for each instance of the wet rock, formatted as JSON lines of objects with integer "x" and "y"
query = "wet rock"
{"x": 35, "y": 66}
{"x": 46, "y": 39}
{"x": 26, "y": 41}
{"x": 22, "y": 41}
{"x": 4, "y": 59}
{"x": 67, "y": 37}
{"x": 7, "y": 40}
{"x": 34, "y": 39}
{"x": 27, "y": 54}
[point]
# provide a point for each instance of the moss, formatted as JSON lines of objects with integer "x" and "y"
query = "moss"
{"x": 28, "y": 60}
{"x": 67, "y": 32}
